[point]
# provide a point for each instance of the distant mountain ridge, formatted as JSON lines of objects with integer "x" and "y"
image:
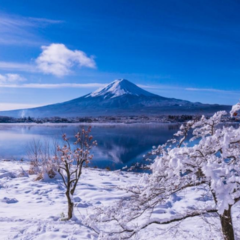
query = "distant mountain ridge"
{"x": 121, "y": 98}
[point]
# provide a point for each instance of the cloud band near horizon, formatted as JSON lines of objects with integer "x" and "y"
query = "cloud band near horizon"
{"x": 100, "y": 85}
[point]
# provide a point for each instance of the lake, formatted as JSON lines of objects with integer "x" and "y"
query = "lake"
{"x": 118, "y": 145}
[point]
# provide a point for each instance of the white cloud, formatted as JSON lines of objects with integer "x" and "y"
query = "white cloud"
{"x": 49, "y": 86}
{"x": 11, "y": 78}
{"x": 210, "y": 90}
{"x": 13, "y": 106}
{"x": 58, "y": 60}
{"x": 45, "y": 20}
{"x": 23, "y": 67}
{"x": 18, "y": 30}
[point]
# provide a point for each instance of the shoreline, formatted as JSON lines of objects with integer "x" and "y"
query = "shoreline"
{"x": 87, "y": 124}
{"x": 100, "y": 123}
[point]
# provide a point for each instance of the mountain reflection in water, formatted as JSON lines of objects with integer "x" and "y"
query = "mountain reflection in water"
{"x": 118, "y": 145}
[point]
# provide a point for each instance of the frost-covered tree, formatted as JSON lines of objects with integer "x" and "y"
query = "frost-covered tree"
{"x": 72, "y": 161}
{"x": 205, "y": 153}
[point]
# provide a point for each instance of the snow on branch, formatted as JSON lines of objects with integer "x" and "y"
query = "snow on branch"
{"x": 212, "y": 162}
{"x": 235, "y": 109}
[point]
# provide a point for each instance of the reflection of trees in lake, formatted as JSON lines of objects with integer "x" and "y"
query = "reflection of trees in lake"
{"x": 116, "y": 143}
{"x": 174, "y": 127}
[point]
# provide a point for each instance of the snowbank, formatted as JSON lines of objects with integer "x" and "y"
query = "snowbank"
{"x": 32, "y": 209}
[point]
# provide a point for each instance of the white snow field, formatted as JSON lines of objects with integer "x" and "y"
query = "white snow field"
{"x": 32, "y": 209}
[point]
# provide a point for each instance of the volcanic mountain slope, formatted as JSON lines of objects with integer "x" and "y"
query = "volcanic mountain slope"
{"x": 121, "y": 97}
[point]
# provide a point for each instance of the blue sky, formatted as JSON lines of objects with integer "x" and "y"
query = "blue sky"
{"x": 53, "y": 51}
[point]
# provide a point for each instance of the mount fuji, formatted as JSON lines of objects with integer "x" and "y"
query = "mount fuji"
{"x": 122, "y": 98}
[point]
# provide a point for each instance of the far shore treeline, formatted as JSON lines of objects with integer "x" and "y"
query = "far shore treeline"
{"x": 109, "y": 119}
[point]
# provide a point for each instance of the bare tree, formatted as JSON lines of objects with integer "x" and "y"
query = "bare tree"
{"x": 72, "y": 161}
{"x": 34, "y": 151}
{"x": 42, "y": 155}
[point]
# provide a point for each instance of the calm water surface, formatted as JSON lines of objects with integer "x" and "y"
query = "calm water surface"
{"x": 118, "y": 145}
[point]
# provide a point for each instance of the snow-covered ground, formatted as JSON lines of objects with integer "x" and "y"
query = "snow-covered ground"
{"x": 32, "y": 209}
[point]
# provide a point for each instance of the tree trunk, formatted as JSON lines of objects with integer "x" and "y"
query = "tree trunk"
{"x": 227, "y": 226}
{"x": 70, "y": 205}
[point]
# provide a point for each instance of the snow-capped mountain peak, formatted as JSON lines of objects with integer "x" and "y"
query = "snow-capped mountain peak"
{"x": 118, "y": 88}
{"x": 120, "y": 98}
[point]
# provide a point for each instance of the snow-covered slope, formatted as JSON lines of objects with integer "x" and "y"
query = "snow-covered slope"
{"x": 32, "y": 210}
{"x": 121, "y": 97}
{"x": 118, "y": 88}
